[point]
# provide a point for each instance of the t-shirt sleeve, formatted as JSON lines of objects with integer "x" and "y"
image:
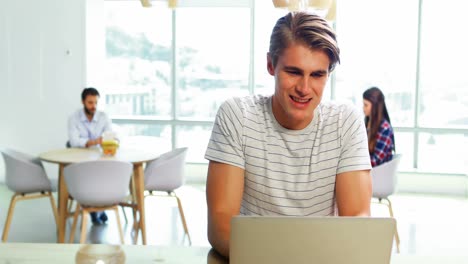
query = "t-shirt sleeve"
{"x": 354, "y": 150}
{"x": 226, "y": 142}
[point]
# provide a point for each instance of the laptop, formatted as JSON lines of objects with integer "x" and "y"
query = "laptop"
{"x": 284, "y": 239}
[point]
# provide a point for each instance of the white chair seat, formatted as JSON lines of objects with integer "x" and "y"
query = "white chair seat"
{"x": 96, "y": 186}
{"x": 166, "y": 174}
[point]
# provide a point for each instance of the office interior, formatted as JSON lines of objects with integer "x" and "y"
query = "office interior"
{"x": 163, "y": 72}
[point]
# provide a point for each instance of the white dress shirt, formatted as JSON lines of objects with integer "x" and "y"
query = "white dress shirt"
{"x": 80, "y": 129}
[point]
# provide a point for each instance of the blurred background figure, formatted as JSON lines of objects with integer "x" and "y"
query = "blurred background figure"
{"x": 379, "y": 129}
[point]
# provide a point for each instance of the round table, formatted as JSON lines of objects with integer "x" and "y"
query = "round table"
{"x": 63, "y": 157}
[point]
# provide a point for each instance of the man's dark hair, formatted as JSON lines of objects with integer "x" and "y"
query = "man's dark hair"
{"x": 89, "y": 91}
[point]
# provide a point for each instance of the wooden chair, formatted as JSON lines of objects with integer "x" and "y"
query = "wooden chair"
{"x": 26, "y": 177}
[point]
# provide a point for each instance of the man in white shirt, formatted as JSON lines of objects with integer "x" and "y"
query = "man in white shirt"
{"x": 85, "y": 128}
{"x": 86, "y": 125}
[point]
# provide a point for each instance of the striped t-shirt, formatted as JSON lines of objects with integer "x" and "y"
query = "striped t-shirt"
{"x": 288, "y": 172}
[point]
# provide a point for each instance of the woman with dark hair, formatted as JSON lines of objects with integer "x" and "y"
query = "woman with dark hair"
{"x": 379, "y": 129}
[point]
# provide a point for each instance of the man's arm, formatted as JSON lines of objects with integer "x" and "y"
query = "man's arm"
{"x": 354, "y": 193}
{"x": 74, "y": 134}
{"x": 224, "y": 189}
{"x": 93, "y": 142}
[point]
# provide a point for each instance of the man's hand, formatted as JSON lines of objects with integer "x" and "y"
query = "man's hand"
{"x": 93, "y": 142}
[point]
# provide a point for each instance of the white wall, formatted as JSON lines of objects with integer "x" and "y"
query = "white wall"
{"x": 42, "y": 72}
{"x": 95, "y": 42}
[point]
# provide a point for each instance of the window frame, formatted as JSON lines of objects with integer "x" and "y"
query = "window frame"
{"x": 174, "y": 122}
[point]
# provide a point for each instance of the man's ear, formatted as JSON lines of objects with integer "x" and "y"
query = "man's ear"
{"x": 270, "y": 67}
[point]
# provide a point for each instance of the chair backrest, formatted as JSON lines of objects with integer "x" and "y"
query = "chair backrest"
{"x": 98, "y": 183}
{"x": 24, "y": 173}
{"x": 167, "y": 172}
{"x": 384, "y": 178}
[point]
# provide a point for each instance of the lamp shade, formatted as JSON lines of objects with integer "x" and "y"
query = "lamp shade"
{"x": 145, "y": 3}
{"x": 320, "y": 4}
{"x": 331, "y": 15}
{"x": 292, "y": 5}
{"x": 281, "y": 3}
{"x": 325, "y": 8}
{"x": 170, "y": 3}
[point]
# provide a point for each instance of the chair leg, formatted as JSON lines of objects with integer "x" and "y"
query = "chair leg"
{"x": 75, "y": 221}
{"x": 182, "y": 217}
{"x": 124, "y": 214}
{"x": 6, "y": 228}
{"x": 135, "y": 227}
{"x": 54, "y": 207}
{"x": 134, "y": 198}
{"x": 84, "y": 220}
{"x": 135, "y": 220}
{"x": 119, "y": 226}
{"x": 70, "y": 205}
{"x": 397, "y": 237}
{"x": 130, "y": 187}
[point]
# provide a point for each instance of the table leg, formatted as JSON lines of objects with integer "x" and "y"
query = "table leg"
{"x": 140, "y": 189}
{"x": 62, "y": 204}
{"x": 135, "y": 227}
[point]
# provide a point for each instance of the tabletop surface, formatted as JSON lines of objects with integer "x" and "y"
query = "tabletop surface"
{"x": 100, "y": 254}
{"x": 96, "y": 254}
{"x": 74, "y": 155}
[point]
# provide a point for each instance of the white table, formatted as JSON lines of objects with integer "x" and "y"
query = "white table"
{"x": 76, "y": 253}
{"x": 63, "y": 157}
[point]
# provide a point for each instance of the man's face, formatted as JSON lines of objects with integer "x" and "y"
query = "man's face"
{"x": 90, "y": 104}
{"x": 300, "y": 78}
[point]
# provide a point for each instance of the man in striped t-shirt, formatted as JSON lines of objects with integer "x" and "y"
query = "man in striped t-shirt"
{"x": 288, "y": 154}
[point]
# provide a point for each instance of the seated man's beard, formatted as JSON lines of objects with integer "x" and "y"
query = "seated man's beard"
{"x": 87, "y": 111}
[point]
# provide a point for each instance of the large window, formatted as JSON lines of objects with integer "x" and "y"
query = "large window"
{"x": 195, "y": 138}
{"x": 413, "y": 51}
{"x": 213, "y": 56}
{"x": 446, "y": 151}
{"x": 167, "y": 72}
{"x": 264, "y": 21}
{"x": 378, "y": 48}
{"x": 444, "y": 53}
{"x": 443, "y": 101}
{"x": 138, "y": 60}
